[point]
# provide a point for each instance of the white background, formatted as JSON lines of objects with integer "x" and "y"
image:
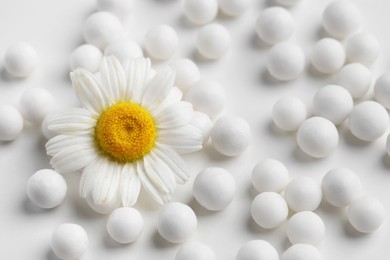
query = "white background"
{"x": 54, "y": 28}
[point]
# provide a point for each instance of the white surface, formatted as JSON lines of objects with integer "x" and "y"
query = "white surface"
{"x": 54, "y": 28}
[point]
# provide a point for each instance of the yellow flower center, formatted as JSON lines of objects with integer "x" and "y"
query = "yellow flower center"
{"x": 125, "y": 132}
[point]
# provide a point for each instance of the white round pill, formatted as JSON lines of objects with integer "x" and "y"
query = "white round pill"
{"x": 289, "y": 113}
{"x": 231, "y": 135}
{"x": 328, "y": 55}
{"x": 187, "y": 73}
{"x": 355, "y": 78}
{"x": 382, "y": 90}
{"x": 101, "y": 28}
{"x": 285, "y": 61}
{"x": 125, "y": 225}
{"x": 123, "y": 50}
{"x": 362, "y": 48}
{"x": 161, "y": 42}
{"x": 195, "y": 251}
{"x": 20, "y": 59}
{"x": 69, "y": 241}
{"x": 317, "y": 137}
{"x": 269, "y": 175}
{"x": 305, "y": 227}
{"x": 200, "y": 11}
{"x": 207, "y": 96}
{"x": 287, "y": 2}
{"x": 213, "y": 41}
{"x": 340, "y": 187}
{"x": 269, "y": 210}
{"x": 11, "y": 123}
{"x": 341, "y": 18}
{"x": 303, "y": 194}
{"x": 121, "y": 8}
{"x": 86, "y": 56}
{"x": 257, "y": 250}
{"x": 214, "y": 188}
{"x": 333, "y": 103}
{"x": 203, "y": 123}
{"x": 368, "y": 121}
{"x": 366, "y": 214}
{"x": 105, "y": 207}
{"x": 46, "y": 188}
{"x": 234, "y": 7}
{"x": 274, "y": 25}
{"x": 301, "y": 252}
{"x": 35, "y": 104}
{"x": 176, "y": 222}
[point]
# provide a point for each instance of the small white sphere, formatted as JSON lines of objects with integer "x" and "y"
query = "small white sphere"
{"x": 269, "y": 210}
{"x": 121, "y": 8}
{"x": 257, "y": 250}
{"x": 207, "y": 96}
{"x": 333, "y": 103}
{"x": 213, "y": 41}
{"x": 362, "y": 48}
{"x": 176, "y": 222}
{"x": 366, "y": 214}
{"x": 46, "y": 188}
{"x": 11, "y": 123}
{"x": 234, "y": 7}
{"x": 341, "y": 18}
{"x": 69, "y": 241}
{"x": 303, "y": 194}
{"x": 274, "y": 25}
{"x": 105, "y": 207}
{"x": 230, "y": 135}
{"x": 86, "y": 56}
{"x": 382, "y": 90}
{"x": 287, "y": 2}
{"x": 125, "y": 225}
{"x": 328, "y": 55}
{"x": 20, "y": 59}
{"x": 203, "y": 123}
{"x": 285, "y": 61}
{"x": 302, "y": 252}
{"x": 355, "y": 78}
{"x": 187, "y": 73}
{"x": 269, "y": 175}
{"x": 305, "y": 227}
{"x": 123, "y": 50}
{"x": 161, "y": 42}
{"x": 214, "y": 188}
{"x": 35, "y": 104}
{"x": 340, "y": 187}
{"x": 195, "y": 251}
{"x": 289, "y": 113}
{"x": 200, "y": 11}
{"x": 101, "y": 28}
{"x": 368, "y": 121}
{"x": 317, "y": 137}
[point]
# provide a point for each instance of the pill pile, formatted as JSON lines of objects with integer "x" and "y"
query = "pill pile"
{"x": 196, "y": 108}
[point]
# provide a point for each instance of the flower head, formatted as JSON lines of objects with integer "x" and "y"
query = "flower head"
{"x": 130, "y": 132}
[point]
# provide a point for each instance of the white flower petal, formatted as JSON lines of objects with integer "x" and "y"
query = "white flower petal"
{"x": 73, "y": 121}
{"x": 183, "y": 139}
{"x": 106, "y": 182}
{"x": 159, "y": 173}
{"x": 174, "y": 96}
{"x": 174, "y": 161}
{"x": 148, "y": 186}
{"x": 158, "y": 88}
{"x": 130, "y": 185}
{"x": 175, "y": 115}
{"x": 88, "y": 176}
{"x": 113, "y": 78}
{"x": 73, "y": 158}
{"x": 138, "y": 74}
{"x": 89, "y": 90}
{"x": 61, "y": 142}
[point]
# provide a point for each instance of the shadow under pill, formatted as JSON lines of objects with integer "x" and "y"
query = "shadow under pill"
{"x": 29, "y": 208}
{"x": 302, "y": 157}
{"x": 352, "y": 233}
{"x": 50, "y": 255}
{"x": 257, "y": 43}
{"x": 254, "y": 228}
{"x": 276, "y": 131}
{"x": 214, "y": 154}
{"x": 160, "y": 242}
{"x": 386, "y": 160}
{"x": 111, "y": 244}
{"x": 6, "y": 77}
{"x": 199, "y": 210}
{"x": 353, "y": 141}
{"x": 268, "y": 80}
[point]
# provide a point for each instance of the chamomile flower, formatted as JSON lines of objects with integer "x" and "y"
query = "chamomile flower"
{"x": 130, "y": 133}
